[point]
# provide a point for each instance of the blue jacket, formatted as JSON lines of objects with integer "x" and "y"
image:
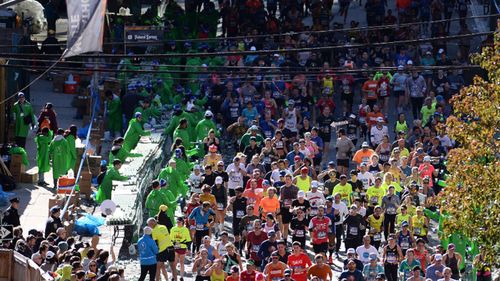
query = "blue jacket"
{"x": 147, "y": 250}
{"x": 200, "y": 219}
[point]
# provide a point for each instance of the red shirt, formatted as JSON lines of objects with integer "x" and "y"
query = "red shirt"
{"x": 246, "y": 276}
{"x": 320, "y": 228}
{"x": 299, "y": 265}
{"x": 370, "y": 87}
{"x": 383, "y": 87}
{"x": 231, "y": 278}
{"x": 421, "y": 257}
{"x": 324, "y": 103}
{"x": 255, "y": 241}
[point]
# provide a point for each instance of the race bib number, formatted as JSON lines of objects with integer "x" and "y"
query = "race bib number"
{"x": 321, "y": 234}
{"x": 405, "y": 245}
{"x": 287, "y": 203}
{"x": 417, "y": 230}
{"x": 374, "y": 200}
{"x": 299, "y": 233}
{"x": 240, "y": 214}
{"x": 377, "y": 237}
{"x": 255, "y": 248}
{"x": 353, "y": 230}
{"x": 391, "y": 258}
{"x": 177, "y": 245}
{"x": 391, "y": 211}
{"x": 220, "y": 206}
{"x": 200, "y": 226}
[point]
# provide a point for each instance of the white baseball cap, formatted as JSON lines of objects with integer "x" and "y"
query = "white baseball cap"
{"x": 301, "y": 194}
{"x": 218, "y": 180}
{"x": 314, "y": 184}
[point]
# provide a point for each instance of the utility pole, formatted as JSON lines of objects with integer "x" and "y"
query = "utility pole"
{"x": 3, "y": 86}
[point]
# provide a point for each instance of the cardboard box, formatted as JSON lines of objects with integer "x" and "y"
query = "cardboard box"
{"x": 59, "y": 201}
{"x": 85, "y": 183}
{"x": 17, "y": 168}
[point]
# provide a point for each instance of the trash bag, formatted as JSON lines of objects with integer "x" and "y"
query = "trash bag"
{"x": 88, "y": 225}
{"x": 5, "y": 197}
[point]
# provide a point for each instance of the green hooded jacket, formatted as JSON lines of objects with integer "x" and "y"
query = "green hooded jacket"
{"x": 203, "y": 127}
{"x": 19, "y": 111}
{"x": 72, "y": 150}
{"x": 42, "y": 152}
{"x": 155, "y": 199}
{"x": 134, "y": 134}
{"x": 115, "y": 114}
{"x": 60, "y": 156}
{"x": 106, "y": 187}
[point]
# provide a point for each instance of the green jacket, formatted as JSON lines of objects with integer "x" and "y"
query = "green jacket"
{"x": 115, "y": 114}
{"x": 72, "y": 150}
{"x": 183, "y": 168}
{"x": 171, "y": 203}
{"x": 176, "y": 119}
{"x": 175, "y": 183}
{"x": 245, "y": 139}
{"x": 184, "y": 135}
{"x": 59, "y": 154}
{"x": 147, "y": 113}
{"x": 19, "y": 111}
{"x": 134, "y": 134}
{"x": 106, "y": 187}
{"x": 154, "y": 200}
{"x": 121, "y": 154}
{"x": 42, "y": 152}
{"x": 22, "y": 152}
{"x": 203, "y": 127}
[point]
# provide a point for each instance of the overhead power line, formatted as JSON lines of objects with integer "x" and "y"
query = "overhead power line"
{"x": 264, "y": 52}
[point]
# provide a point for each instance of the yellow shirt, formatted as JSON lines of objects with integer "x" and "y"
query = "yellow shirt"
{"x": 162, "y": 237}
{"x": 418, "y": 225}
{"x": 345, "y": 192}
{"x": 397, "y": 187}
{"x": 180, "y": 236}
{"x": 304, "y": 184}
{"x": 376, "y": 223}
{"x": 400, "y": 218}
{"x": 375, "y": 195}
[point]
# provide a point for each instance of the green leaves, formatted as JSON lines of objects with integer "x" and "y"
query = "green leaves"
{"x": 472, "y": 197}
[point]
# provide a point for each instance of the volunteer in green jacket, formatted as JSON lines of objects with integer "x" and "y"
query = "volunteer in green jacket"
{"x": 155, "y": 199}
{"x": 60, "y": 156}
{"x": 106, "y": 186}
{"x": 120, "y": 152}
{"x": 172, "y": 200}
{"x": 115, "y": 114}
{"x": 182, "y": 132}
{"x": 176, "y": 185}
{"x": 71, "y": 139}
{"x": 134, "y": 132}
{"x": 22, "y": 111}
{"x": 205, "y": 125}
{"x": 42, "y": 141}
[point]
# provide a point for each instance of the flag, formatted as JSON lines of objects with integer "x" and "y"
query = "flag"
{"x": 85, "y": 26}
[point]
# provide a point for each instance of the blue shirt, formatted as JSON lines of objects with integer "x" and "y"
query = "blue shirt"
{"x": 200, "y": 218}
{"x": 291, "y": 155}
{"x": 147, "y": 250}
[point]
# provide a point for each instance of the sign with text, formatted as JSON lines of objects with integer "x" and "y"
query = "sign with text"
{"x": 143, "y": 34}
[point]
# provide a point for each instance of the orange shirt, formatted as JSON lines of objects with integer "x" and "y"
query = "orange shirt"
{"x": 269, "y": 205}
{"x": 275, "y": 271}
{"x": 253, "y": 199}
{"x": 321, "y": 272}
{"x": 208, "y": 197}
{"x": 371, "y": 118}
{"x": 363, "y": 156}
{"x": 370, "y": 87}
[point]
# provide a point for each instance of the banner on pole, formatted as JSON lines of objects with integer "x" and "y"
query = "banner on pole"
{"x": 85, "y": 26}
